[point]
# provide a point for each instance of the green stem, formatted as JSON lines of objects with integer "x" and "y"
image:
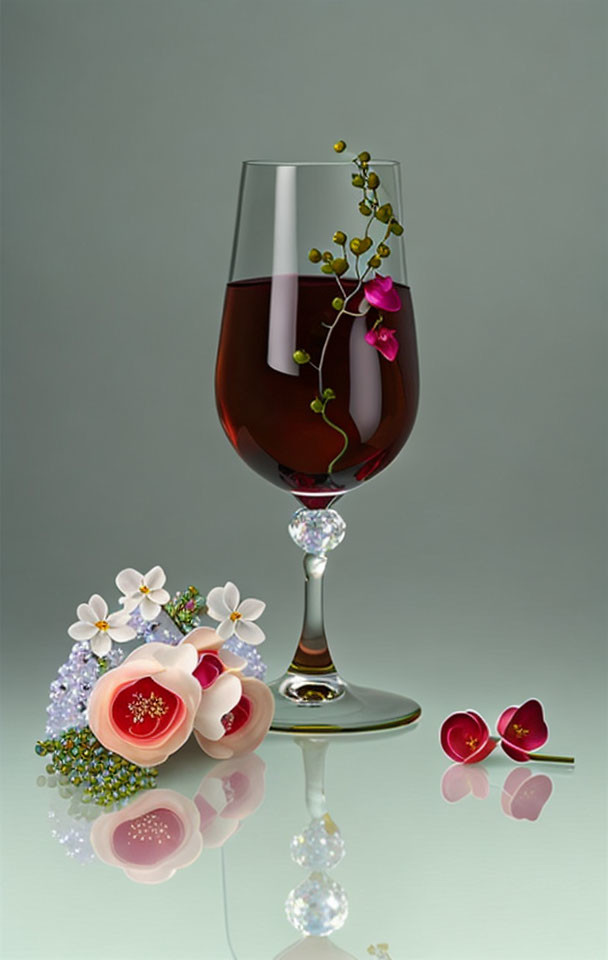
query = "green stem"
{"x": 548, "y": 758}
{"x": 335, "y": 426}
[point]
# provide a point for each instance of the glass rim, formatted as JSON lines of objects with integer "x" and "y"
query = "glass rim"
{"x": 315, "y": 163}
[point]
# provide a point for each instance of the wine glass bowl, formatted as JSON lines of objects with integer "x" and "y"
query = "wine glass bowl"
{"x": 317, "y": 380}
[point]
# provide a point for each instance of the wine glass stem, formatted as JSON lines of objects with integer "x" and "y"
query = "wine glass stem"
{"x": 312, "y": 654}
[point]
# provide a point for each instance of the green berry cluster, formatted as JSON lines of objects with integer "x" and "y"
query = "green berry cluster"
{"x": 186, "y": 607}
{"x": 370, "y": 207}
{"x": 105, "y": 777}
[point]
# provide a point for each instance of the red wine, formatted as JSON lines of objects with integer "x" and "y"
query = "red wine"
{"x": 264, "y": 398}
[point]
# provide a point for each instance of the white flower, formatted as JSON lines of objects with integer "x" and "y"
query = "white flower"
{"x": 223, "y": 604}
{"x": 143, "y": 590}
{"x": 98, "y": 628}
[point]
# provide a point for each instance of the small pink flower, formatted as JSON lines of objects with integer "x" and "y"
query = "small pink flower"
{"x": 384, "y": 341}
{"x": 150, "y": 838}
{"x": 460, "y": 780}
{"x": 523, "y": 795}
{"x": 144, "y": 709}
{"x": 229, "y": 793}
{"x": 245, "y": 725}
{"x": 465, "y": 737}
{"x": 522, "y": 729}
{"x": 216, "y": 671}
{"x": 380, "y": 292}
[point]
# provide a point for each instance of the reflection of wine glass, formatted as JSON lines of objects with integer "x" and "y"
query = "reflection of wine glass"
{"x": 306, "y": 399}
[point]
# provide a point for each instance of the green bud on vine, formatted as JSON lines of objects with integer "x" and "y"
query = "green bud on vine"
{"x": 364, "y": 209}
{"x": 327, "y": 268}
{"x": 358, "y": 180}
{"x": 340, "y": 266}
{"x": 355, "y": 245}
{"x": 382, "y": 250}
{"x": 396, "y": 228}
{"x": 316, "y": 406}
{"x": 373, "y": 180}
{"x": 384, "y": 213}
{"x": 364, "y": 156}
{"x": 374, "y": 261}
{"x": 328, "y": 394}
{"x": 365, "y": 244}
{"x": 340, "y": 146}
{"x": 340, "y": 237}
{"x": 337, "y": 303}
{"x": 327, "y": 256}
{"x": 301, "y": 357}
{"x": 314, "y": 255}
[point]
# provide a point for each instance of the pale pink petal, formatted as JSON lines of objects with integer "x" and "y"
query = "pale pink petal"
{"x": 225, "y": 630}
{"x": 218, "y": 831}
{"x": 155, "y": 578}
{"x": 217, "y": 700}
{"x": 129, "y": 580}
{"x": 82, "y": 631}
{"x": 216, "y": 608}
{"x": 251, "y": 734}
{"x": 181, "y": 657}
{"x": 99, "y": 606}
{"x": 242, "y": 782}
{"x": 148, "y": 609}
{"x": 529, "y": 800}
{"x": 251, "y": 609}
{"x": 122, "y": 634}
{"x": 85, "y": 612}
{"x": 231, "y": 595}
{"x": 249, "y": 632}
{"x": 203, "y": 638}
{"x": 159, "y": 596}
{"x": 231, "y": 660}
{"x": 101, "y": 644}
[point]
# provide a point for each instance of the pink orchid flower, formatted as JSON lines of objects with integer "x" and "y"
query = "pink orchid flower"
{"x": 150, "y": 838}
{"x": 460, "y": 780}
{"x": 523, "y": 795}
{"x": 522, "y": 729}
{"x": 380, "y": 292}
{"x": 465, "y": 737}
{"x": 384, "y": 341}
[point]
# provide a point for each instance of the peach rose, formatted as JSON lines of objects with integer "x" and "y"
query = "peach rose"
{"x": 151, "y": 838}
{"x": 144, "y": 709}
{"x": 245, "y": 725}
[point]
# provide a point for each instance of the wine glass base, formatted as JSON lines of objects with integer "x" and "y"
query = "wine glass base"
{"x": 326, "y": 704}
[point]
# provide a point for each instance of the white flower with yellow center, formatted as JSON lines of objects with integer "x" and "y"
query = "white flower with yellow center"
{"x": 98, "y": 628}
{"x": 236, "y": 617}
{"x": 143, "y": 590}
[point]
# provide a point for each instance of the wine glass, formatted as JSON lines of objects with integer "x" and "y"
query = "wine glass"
{"x": 317, "y": 383}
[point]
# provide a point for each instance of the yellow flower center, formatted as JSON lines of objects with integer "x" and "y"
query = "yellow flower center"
{"x": 102, "y": 624}
{"x": 151, "y": 706}
{"x": 472, "y": 743}
{"x": 519, "y": 731}
{"x": 235, "y": 616}
{"x": 144, "y": 589}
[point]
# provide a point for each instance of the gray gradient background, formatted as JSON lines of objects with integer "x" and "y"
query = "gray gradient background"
{"x": 473, "y": 570}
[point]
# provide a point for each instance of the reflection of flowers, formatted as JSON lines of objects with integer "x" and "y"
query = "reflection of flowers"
{"x": 151, "y": 838}
{"x": 223, "y": 604}
{"x": 229, "y": 793}
{"x": 522, "y": 729}
{"x": 245, "y": 725}
{"x": 143, "y": 590}
{"x": 465, "y": 737}
{"x": 98, "y": 628}
{"x": 144, "y": 709}
{"x": 524, "y": 795}
{"x": 460, "y": 780}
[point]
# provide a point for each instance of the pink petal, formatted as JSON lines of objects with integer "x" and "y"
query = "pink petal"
{"x": 519, "y": 755}
{"x": 531, "y": 797}
{"x": 380, "y": 293}
{"x": 217, "y": 700}
{"x": 530, "y": 717}
{"x": 503, "y": 720}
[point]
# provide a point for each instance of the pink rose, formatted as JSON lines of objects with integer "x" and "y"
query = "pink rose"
{"x": 465, "y": 737}
{"x": 523, "y": 795}
{"x": 150, "y": 838}
{"x": 522, "y": 729}
{"x": 229, "y": 793}
{"x": 244, "y": 726}
{"x": 144, "y": 709}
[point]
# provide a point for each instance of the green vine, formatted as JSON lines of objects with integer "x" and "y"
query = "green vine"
{"x": 368, "y": 181}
